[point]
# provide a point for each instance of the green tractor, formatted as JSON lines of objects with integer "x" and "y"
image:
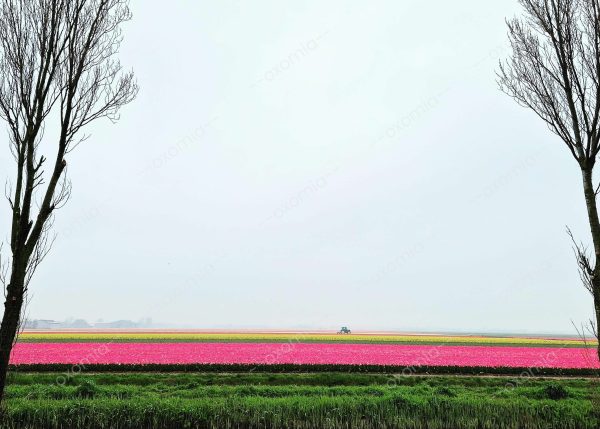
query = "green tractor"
{"x": 344, "y": 330}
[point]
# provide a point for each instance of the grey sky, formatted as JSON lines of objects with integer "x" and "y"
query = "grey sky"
{"x": 313, "y": 164}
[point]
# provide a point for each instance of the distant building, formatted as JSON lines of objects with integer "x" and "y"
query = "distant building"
{"x": 83, "y": 324}
{"x": 41, "y": 324}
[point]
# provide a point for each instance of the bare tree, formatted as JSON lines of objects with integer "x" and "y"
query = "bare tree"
{"x": 554, "y": 70}
{"x": 57, "y": 65}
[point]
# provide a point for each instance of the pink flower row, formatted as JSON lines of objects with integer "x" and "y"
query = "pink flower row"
{"x": 301, "y": 353}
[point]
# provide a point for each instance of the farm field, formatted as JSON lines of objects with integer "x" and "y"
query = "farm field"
{"x": 166, "y": 379}
{"x": 255, "y": 348}
{"x": 303, "y": 354}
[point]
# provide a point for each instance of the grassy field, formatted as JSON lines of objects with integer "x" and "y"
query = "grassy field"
{"x": 323, "y": 400}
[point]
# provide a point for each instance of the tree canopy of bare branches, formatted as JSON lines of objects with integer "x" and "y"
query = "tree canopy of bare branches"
{"x": 58, "y": 66}
{"x": 554, "y": 70}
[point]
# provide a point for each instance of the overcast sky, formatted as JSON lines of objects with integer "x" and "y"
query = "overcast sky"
{"x": 316, "y": 164}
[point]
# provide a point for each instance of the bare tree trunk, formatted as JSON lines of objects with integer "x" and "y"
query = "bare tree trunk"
{"x": 594, "y": 221}
{"x": 10, "y": 322}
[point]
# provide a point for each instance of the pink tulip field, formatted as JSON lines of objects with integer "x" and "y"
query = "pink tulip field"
{"x": 304, "y": 354}
{"x": 301, "y": 349}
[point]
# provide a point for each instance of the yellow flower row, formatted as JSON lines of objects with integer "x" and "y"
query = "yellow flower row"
{"x": 287, "y": 337}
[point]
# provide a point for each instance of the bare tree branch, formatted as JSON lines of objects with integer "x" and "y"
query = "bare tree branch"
{"x": 4, "y": 266}
{"x": 554, "y": 70}
{"x": 584, "y": 265}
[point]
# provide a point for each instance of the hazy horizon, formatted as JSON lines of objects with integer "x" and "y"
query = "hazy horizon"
{"x": 161, "y": 325}
{"x": 308, "y": 328}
